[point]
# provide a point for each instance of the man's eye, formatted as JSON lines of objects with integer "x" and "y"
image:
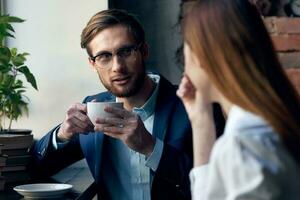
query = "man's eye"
{"x": 125, "y": 52}
{"x": 103, "y": 57}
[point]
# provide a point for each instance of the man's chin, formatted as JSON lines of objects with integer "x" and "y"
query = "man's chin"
{"x": 128, "y": 90}
{"x": 123, "y": 93}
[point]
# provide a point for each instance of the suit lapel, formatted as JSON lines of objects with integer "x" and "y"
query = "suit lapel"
{"x": 98, "y": 144}
{"x": 99, "y": 140}
{"x": 164, "y": 104}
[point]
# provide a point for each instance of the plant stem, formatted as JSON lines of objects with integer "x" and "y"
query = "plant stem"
{"x": 10, "y": 122}
{"x": 10, "y": 116}
{"x": 1, "y": 127}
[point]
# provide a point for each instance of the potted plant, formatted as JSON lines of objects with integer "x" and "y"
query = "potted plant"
{"x": 13, "y": 102}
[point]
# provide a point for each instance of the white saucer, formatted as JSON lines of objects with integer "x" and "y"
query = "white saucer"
{"x": 43, "y": 190}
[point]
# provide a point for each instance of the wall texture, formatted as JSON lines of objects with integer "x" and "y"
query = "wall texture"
{"x": 159, "y": 19}
{"x": 51, "y": 34}
{"x": 285, "y": 33}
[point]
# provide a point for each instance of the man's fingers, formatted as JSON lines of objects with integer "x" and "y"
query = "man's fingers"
{"x": 75, "y": 125}
{"x": 85, "y": 125}
{"x": 118, "y": 111}
{"x": 112, "y": 121}
{"x": 113, "y": 129}
{"x": 82, "y": 119}
{"x": 113, "y": 135}
{"x": 80, "y": 107}
{"x": 117, "y": 130}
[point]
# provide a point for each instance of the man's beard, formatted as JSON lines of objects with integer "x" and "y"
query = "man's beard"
{"x": 133, "y": 88}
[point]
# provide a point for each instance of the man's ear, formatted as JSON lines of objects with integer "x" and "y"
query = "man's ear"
{"x": 145, "y": 50}
{"x": 92, "y": 65}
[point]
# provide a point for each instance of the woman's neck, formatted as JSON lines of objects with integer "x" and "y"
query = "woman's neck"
{"x": 224, "y": 102}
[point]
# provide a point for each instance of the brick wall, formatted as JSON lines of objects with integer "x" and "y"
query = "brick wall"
{"x": 285, "y": 33}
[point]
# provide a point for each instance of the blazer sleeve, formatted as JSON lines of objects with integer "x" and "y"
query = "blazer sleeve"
{"x": 46, "y": 160}
{"x": 171, "y": 179}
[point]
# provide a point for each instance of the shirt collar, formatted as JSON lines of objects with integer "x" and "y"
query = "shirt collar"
{"x": 149, "y": 107}
{"x": 240, "y": 119}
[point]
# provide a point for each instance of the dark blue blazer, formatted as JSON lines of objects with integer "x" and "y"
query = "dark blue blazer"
{"x": 171, "y": 125}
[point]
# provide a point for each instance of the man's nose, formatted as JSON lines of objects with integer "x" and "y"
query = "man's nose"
{"x": 117, "y": 63}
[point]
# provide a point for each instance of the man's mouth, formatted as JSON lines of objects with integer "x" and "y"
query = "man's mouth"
{"x": 121, "y": 80}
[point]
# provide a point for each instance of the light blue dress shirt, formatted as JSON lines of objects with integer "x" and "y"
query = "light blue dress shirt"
{"x": 126, "y": 173}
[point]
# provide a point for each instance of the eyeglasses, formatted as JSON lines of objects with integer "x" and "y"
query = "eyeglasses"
{"x": 126, "y": 53}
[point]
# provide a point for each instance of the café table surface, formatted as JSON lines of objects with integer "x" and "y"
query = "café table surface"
{"x": 77, "y": 175}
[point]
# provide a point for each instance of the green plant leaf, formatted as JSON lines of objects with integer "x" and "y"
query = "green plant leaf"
{"x": 18, "y": 60}
{"x": 9, "y": 27}
{"x": 21, "y": 91}
{"x": 13, "y": 102}
{"x": 6, "y": 30}
{"x": 7, "y": 80}
{"x": 3, "y": 28}
{"x": 17, "y": 85}
{"x": 10, "y": 19}
{"x": 5, "y": 55}
{"x": 5, "y": 68}
{"x": 7, "y": 34}
{"x": 25, "y": 54}
{"x": 29, "y": 76}
{"x": 13, "y": 51}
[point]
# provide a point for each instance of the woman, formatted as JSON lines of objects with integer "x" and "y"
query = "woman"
{"x": 229, "y": 58}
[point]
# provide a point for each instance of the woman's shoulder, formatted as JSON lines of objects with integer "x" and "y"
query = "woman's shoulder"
{"x": 249, "y": 137}
{"x": 251, "y": 155}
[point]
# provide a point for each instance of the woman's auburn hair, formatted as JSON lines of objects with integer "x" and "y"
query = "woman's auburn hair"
{"x": 236, "y": 51}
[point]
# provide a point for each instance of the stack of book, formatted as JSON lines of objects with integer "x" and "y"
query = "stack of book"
{"x": 14, "y": 157}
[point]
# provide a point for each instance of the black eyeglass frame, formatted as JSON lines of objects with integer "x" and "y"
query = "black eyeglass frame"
{"x": 135, "y": 47}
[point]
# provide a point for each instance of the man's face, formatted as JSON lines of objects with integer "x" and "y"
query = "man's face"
{"x": 122, "y": 76}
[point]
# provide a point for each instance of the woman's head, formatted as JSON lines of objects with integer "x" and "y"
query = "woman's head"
{"x": 229, "y": 39}
{"x": 233, "y": 46}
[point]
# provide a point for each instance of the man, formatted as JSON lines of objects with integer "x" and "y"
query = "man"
{"x": 145, "y": 152}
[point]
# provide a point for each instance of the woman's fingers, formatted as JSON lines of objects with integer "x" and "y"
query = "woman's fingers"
{"x": 186, "y": 89}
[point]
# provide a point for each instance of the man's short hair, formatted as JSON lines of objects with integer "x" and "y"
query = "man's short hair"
{"x": 108, "y": 18}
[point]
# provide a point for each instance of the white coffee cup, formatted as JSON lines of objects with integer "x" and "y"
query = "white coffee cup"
{"x": 96, "y": 109}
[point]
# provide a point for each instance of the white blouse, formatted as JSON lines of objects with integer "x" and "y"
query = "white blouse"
{"x": 248, "y": 162}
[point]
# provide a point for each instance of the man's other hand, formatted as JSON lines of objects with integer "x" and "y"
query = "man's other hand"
{"x": 76, "y": 121}
{"x": 128, "y": 127}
